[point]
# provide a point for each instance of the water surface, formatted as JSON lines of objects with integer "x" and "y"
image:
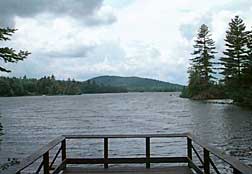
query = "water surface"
{"x": 29, "y": 122}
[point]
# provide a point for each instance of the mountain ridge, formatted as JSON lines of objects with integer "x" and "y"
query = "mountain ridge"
{"x": 136, "y": 84}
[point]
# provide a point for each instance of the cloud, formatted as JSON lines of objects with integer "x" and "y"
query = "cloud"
{"x": 79, "y": 51}
{"x": 88, "y": 12}
{"x": 147, "y": 38}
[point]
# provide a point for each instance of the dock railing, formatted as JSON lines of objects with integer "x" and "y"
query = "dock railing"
{"x": 207, "y": 163}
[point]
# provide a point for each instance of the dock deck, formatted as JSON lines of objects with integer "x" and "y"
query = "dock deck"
{"x": 195, "y": 150}
{"x": 167, "y": 170}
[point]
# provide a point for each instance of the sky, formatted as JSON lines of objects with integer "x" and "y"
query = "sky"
{"x": 82, "y": 39}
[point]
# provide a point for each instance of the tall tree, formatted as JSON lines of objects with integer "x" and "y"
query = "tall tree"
{"x": 247, "y": 71}
{"x": 204, "y": 50}
{"x": 9, "y": 54}
{"x": 236, "y": 52}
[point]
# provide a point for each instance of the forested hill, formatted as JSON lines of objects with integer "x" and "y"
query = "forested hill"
{"x": 136, "y": 84}
{"x": 12, "y": 86}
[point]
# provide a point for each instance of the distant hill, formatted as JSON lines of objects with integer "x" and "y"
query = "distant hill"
{"x": 137, "y": 84}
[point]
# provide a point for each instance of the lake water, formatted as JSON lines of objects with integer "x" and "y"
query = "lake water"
{"x": 29, "y": 122}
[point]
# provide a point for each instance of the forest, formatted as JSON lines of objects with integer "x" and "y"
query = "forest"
{"x": 50, "y": 86}
{"x": 229, "y": 76}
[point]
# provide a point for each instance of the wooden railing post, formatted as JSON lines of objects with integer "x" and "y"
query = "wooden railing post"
{"x": 147, "y": 152}
{"x": 105, "y": 153}
{"x": 206, "y": 161}
{"x": 63, "y": 151}
{"x": 46, "y": 162}
{"x": 189, "y": 148}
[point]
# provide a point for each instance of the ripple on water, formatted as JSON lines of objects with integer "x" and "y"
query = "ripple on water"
{"x": 29, "y": 122}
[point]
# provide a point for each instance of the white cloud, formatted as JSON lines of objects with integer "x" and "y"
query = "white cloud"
{"x": 150, "y": 38}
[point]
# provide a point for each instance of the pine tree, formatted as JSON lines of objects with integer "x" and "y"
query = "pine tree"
{"x": 236, "y": 52}
{"x": 204, "y": 55}
{"x": 247, "y": 71}
{"x": 9, "y": 54}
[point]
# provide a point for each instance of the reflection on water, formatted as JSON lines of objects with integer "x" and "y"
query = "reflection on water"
{"x": 30, "y": 122}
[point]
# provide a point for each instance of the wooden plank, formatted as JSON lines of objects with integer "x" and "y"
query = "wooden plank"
{"x": 238, "y": 166}
{"x": 127, "y": 160}
{"x": 38, "y": 154}
{"x": 159, "y": 170}
{"x": 126, "y": 136}
{"x": 228, "y": 159}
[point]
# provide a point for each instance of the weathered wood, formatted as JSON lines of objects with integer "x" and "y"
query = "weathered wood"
{"x": 38, "y": 154}
{"x": 214, "y": 166}
{"x": 55, "y": 157}
{"x": 134, "y": 170}
{"x": 197, "y": 154}
{"x": 44, "y": 151}
{"x": 105, "y": 153}
{"x": 126, "y": 136}
{"x": 195, "y": 167}
{"x": 59, "y": 168}
{"x": 46, "y": 162}
{"x": 206, "y": 161}
{"x": 126, "y": 160}
{"x": 40, "y": 167}
{"x": 189, "y": 149}
{"x": 226, "y": 158}
{"x": 147, "y": 148}
{"x": 63, "y": 152}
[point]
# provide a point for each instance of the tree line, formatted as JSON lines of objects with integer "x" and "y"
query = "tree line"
{"x": 48, "y": 85}
{"x": 234, "y": 67}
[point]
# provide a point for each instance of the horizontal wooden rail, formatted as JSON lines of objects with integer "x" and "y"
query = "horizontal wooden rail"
{"x": 127, "y": 160}
{"x": 207, "y": 149}
{"x": 35, "y": 156}
{"x": 233, "y": 162}
{"x": 126, "y": 136}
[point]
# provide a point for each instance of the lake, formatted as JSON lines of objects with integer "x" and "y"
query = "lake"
{"x": 29, "y": 122}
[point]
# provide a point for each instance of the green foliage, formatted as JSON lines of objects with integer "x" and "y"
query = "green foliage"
{"x": 235, "y": 53}
{"x": 201, "y": 72}
{"x": 194, "y": 86}
{"x": 137, "y": 84}
{"x": 184, "y": 93}
{"x": 236, "y": 66}
{"x": 237, "y": 63}
{"x": 50, "y": 86}
{"x": 204, "y": 51}
{"x": 9, "y": 54}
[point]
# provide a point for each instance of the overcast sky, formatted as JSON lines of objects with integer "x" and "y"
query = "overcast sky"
{"x": 82, "y": 39}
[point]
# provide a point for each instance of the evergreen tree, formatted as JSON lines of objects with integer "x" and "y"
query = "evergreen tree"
{"x": 194, "y": 86}
{"x": 201, "y": 70}
{"x": 9, "y": 54}
{"x": 204, "y": 55}
{"x": 247, "y": 71}
{"x": 235, "y": 53}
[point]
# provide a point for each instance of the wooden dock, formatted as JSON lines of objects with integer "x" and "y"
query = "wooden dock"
{"x": 180, "y": 164}
{"x": 167, "y": 170}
